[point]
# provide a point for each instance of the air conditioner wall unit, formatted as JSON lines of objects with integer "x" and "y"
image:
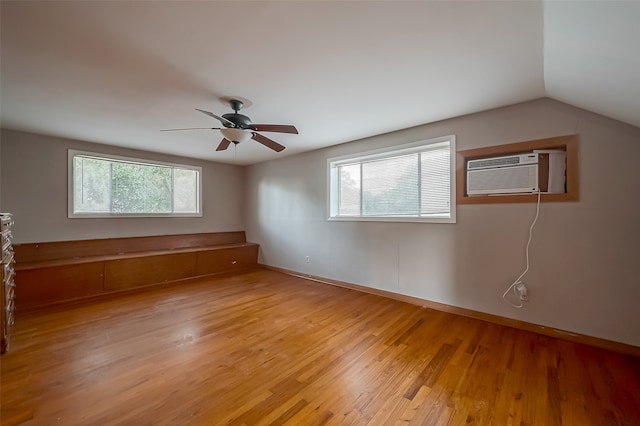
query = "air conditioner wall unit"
{"x": 540, "y": 170}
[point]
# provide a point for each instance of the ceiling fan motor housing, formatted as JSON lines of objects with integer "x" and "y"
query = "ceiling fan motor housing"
{"x": 241, "y": 121}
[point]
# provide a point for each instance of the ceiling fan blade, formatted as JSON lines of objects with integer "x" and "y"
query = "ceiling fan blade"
{"x": 223, "y": 120}
{"x": 267, "y": 142}
{"x": 278, "y": 128}
{"x": 191, "y": 128}
{"x": 224, "y": 144}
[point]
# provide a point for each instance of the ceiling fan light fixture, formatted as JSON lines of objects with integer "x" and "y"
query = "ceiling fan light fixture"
{"x": 236, "y": 135}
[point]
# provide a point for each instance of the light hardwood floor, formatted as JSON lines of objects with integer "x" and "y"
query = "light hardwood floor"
{"x": 268, "y": 348}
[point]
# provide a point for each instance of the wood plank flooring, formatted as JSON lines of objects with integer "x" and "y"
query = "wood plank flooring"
{"x": 266, "y": 348}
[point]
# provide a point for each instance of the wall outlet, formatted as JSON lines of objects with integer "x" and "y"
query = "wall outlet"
{"x": 307, "y": 259}
{"x": 522, "y": 291}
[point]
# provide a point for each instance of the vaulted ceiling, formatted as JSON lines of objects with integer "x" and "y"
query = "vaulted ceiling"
{"x": 119, "y": 72}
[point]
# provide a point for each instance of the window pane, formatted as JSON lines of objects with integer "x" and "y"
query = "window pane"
{"x": 349, "y": 190}
{"x": 138, "y": 188}
{"x": 185, "y": 191}
{"x": 412, "y": 182}
{"x": 91, "y": 185}
{"x": 435, "y": 181}
{"x": 390, "y": 186}
{"x": 103, "y": 185}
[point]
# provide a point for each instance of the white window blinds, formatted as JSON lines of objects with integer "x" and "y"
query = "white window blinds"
{"x": 413, "y": 182}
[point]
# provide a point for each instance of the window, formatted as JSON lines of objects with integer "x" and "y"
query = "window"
{"x": 414, "y": 182}
{"x": 106, "y": 186}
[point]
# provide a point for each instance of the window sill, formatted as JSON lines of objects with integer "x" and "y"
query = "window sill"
{"x": 392, "y": 219}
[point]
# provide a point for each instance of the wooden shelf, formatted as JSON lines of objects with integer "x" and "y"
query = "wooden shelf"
{"x": 567, "y": 143}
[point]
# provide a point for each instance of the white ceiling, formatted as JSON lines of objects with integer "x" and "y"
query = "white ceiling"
{"x": 118, "y": 72}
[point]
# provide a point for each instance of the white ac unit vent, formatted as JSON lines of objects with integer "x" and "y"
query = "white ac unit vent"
{"x": 513, "y": 160}
{"x": 541, "y": 170}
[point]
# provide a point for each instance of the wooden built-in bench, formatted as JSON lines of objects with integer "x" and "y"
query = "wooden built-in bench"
{"x": 54, "y": 272}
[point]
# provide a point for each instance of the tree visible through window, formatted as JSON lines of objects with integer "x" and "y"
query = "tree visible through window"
{"x": 120, "y": 187}
{"x": 413, "y": 182}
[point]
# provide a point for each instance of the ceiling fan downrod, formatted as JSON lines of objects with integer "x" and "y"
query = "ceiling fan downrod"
{"x": 236, "y": 105}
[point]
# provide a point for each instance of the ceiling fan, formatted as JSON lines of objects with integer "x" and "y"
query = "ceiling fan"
{"x": 239, "y": 128}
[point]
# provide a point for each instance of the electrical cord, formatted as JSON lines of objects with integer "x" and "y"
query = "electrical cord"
{"x": 518, "y": 280}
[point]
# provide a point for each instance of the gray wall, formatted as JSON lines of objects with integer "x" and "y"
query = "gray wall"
{"x": 34, "y": 188}
{"x": 585, "y": 263}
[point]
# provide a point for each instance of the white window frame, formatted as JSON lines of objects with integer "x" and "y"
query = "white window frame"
{"x": 72, "y": 153}
{"x": 389, "y": 152}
